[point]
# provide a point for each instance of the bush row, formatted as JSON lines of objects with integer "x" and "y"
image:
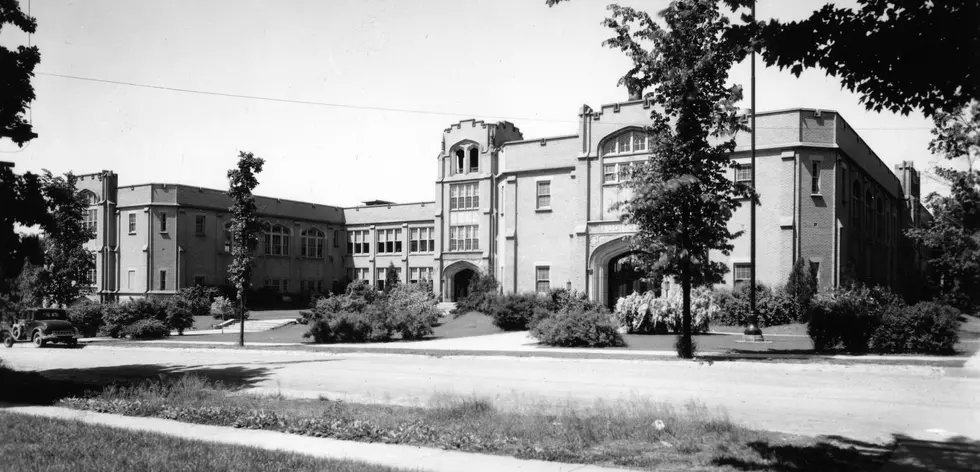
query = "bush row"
{"x": 365, "y": 315}
{"x": 143, "y": 318}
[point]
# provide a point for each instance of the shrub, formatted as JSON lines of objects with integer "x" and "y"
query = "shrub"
{"x": 197, "y": 299}
{"x": 412, "y": 311}
{"x": 774, "y": 307}
{"x": 515, "y": 311}
{"x": 340, "y": 328}
{"x": 925, "y": 328}
{"x": 648, "y": 314}
{"x": 845, "y": 318}
{"x": 87, "y": 317}
{"x": 362, "y": 315}
{"x": 222, "y": 308}
{"x": 563, "y": 300}
{"x": 116, "y": 318}
{"x": 146, "y": 329}
{"x": 578, "y": 329}
{"x": 180, "y": 313}
{"x": 801, "y": 287}
{"x": 483, "y": 291}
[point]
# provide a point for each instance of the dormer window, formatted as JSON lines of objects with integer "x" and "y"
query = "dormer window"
{"x": 474, "y": 160}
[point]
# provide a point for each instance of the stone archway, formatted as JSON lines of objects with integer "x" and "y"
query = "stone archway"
{"x": 623, "y": 278}
{"x": 456, "y": 279}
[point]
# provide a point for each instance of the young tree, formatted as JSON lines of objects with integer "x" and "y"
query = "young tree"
{"x": 682, "y": 199}
{"x": 66, "y": 261}
{"x": 953, "y": 238}
{"x": 244, "y": 228}
{"x": 801, "y": 286}
{"x": 391, "y": 277}
{"x": 18, "y": 69}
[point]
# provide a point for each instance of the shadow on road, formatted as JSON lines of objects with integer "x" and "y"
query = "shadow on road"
{"x": 835, "y": 453}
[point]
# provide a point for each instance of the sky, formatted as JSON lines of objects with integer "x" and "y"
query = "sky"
{"x": 446, "y": 60}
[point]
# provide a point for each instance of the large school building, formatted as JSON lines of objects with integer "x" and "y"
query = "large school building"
{"x": 534, "y": 213}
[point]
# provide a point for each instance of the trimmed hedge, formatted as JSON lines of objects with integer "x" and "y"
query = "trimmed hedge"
{"x": 578, "y": 329}
{"x": 925, "y": 328}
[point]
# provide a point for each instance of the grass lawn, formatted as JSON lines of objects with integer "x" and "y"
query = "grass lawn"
{"x": 470, "y": 324}
{"x": 32, "y": 443}
{"x": 716, "y": 343}
{"x": 206, "y": 322}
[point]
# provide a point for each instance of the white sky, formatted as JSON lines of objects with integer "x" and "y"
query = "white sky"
{"x": 513, "y": 59}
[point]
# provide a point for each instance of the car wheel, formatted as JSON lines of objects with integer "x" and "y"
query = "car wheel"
{"x": 38, "y": 341}
{"x": 8, "y": 340}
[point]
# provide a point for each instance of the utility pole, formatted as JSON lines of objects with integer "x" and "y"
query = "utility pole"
{"x": 752, "y": 332}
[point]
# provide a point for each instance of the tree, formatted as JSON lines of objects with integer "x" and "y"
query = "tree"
{"x": 897, "y": 55}
{"x": 391, "y": 277}
{"x": 801, "y": 286}
{"x": 18, "y": 69}
{"x": 682, "y": 199}
{"x": 66, "y": 261}
{"x": 21, "y": 203}
{"x": 953, "y": 238}
{"x": 244, "y": 228}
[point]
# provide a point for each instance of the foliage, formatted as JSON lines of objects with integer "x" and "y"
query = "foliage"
{"x": 391, "y": 277}
{"x": 801, "y": 286}
{"x": 897, "y": 67}
{"x": 483, "y": 290}
{"x": 179, "y": 313}
{"x": 774, "y": 307}
{"x": 516, "y": 311}
{"x": 563, "y": 300}
{"x": 66, "y": 260}
{"x": 647, "y": 313}
{"x": 953, "y": 238}
{"x": 682, "y": 198}
{"x": 923, "y": 328}
{"x": 844, "y": 318}
{"x": 222, "y": 308}
{"x": 18, "y": 69}
{"x": 412, "y": 310}
{"x": 117, "y": 318}
{"x": 21, "y": 202}
{"x": 244, "y": 227}
{"x": 146, "y": 329}
{"x": 364, "y": 315}
{"x": 28, "y": 287}
{"x": 578, "y": 328}
{"x": 198, "y": 298}
{"x": 87, "y": 317}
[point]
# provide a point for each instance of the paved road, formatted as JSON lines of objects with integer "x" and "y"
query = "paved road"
{"x": 861, "y": 402}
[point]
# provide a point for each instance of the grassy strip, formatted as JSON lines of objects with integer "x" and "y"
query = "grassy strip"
{"x": 635, "y": 433}
{"x": 31, "y": 443}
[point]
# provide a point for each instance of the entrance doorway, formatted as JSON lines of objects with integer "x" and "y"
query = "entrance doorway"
{"x": 461, "y": 283}
{"x": 624, "y": 279}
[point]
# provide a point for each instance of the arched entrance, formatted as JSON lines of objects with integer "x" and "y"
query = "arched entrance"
{"x": 623, "y": 278}
{"x": 461, "y": 283}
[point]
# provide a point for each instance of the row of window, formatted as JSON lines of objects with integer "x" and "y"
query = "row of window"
{"x": 415, "y": 275}
{"x": 742, "y": 273}
{"x": 617, "y": 172}
{"x": 464, "y": 238}
{"x": 389, "y": 241}
{"x": 743, "y": 174}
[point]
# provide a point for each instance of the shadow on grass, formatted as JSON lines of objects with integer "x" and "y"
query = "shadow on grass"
{"x": 47, "y": 387}
{"x": 835, "y": 453}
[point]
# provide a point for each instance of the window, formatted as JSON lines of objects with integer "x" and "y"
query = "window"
{"x": 421, "y": 240}
{"x": 544, "y": 194}
{"x": 380, "y": 282}
{"x": 285, "y": 285}
{"x": 474, "y": 159}
{"x": 880, "y": 220}
{"x": 311, "y": 243}
{"x": 228, "y": 238}
{"x": 419, "y": 274}
{"x": 359, "y": 274}
{"x": 389, "y": 241}
{"x": 275, "y": 284}
{"x": 627, "y": 143}
{"x": 464, "y": 238}
{"x": 815, "y": 178}
{"x": 90, "y": 277}
{"x": 163, "y": 222}
{"x": 199, "y": 225}
{"x": 856, "y": 208}
{"x": 743, "y": 274}
{"x": 199, "y": 280}
{"x": 616, "y": 173}
{"x": 458, "y": 167}
{"x": 336, "y": 237}
{"x": 277, "y": 241}
{"x": 163, "y": 279}
{"x": 869, "y": 212}
{"x": 357, "y": 242}
{"x": 464, "y": 196}
{"x": 90, "y": 220}
{"x": 743, "y": 174}
{"x": 131, "y": 279}
{"x": 132, "y": 223}
{"x": 542, "y": 279}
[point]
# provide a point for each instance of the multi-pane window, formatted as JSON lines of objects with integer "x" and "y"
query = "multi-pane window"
{"x": 199, "y": 225}
{"x": 275, "y": 284}
{"x": 132, "y": 223}
{"x": 163, "y": 280}
{"x": 464, "y": 238}
{"x": 359, "y": 273}
{"x": 90, "y": 276}
{"x": 544, "y": 194}
{"x": 421, "y": 240}
{"x": 311, "y": 243}
{"x": 742, "y": 273}
{"x": 743, "y": 174}
{"x": 90, "y": 220}
{"x": 199, "y": 280}
{"x": 277, "y": 241}
{"x": 616, "y": 173}
{"x": 228, "y": 238}
{"x": 464, "y": 196}
{"x": 627, "y": 143}
{"x": 815, "y": 177}
{"x": 336, "y": 237}
{"x": 419, "y": 274}
{"x": 380, "y": 282}
{"x": 389, "y": 241}
{"x": 542, "y": 279}
{"x": 163, "y": 222}
{"x": 358, "y": 243}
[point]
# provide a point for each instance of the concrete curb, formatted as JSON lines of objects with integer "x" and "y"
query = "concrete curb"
{"x": 392, "y": 455}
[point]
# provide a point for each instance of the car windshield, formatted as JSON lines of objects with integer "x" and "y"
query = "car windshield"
{"x": 41, "y": 315}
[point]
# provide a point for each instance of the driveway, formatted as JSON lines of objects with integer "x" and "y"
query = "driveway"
{"x": 865, "y": 402}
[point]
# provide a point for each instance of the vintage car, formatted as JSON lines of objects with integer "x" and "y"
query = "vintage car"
{"x": 41, "y": 326}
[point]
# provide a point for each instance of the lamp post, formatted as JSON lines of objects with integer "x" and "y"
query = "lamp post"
{"x": 752, "y": 332}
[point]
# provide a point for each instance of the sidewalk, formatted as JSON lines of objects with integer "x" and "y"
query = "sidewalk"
{"x": 392, "y": 455}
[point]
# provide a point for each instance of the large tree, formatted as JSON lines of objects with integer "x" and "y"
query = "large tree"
{"x": 16, "y": 71}
{"x": 21, "y": 203}
{"x": 244, "y": 228}
{"x": 953, "y": 237}
{"x": 66, "y": 261}
{"x": 682, "y": 197}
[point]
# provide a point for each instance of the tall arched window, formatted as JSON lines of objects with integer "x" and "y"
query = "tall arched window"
{"x": 856, "y": 207}
{"x": 880, "y": 210}
{"x": 228, "y": 238}
{"x": 474, "y": 164}
{"x": 90, "y": 216}
{"x": 459, "y": 161}
{"x": 311, "y": 243}
{"x": 277, "y": 241}
{"x": 869, "y": 213}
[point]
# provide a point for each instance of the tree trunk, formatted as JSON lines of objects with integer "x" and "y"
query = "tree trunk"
{"x": 686, "y": 352}
{"x": 241, "y": 317}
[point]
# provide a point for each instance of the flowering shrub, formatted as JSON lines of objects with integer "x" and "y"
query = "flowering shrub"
{"x": 646, "y": 313}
